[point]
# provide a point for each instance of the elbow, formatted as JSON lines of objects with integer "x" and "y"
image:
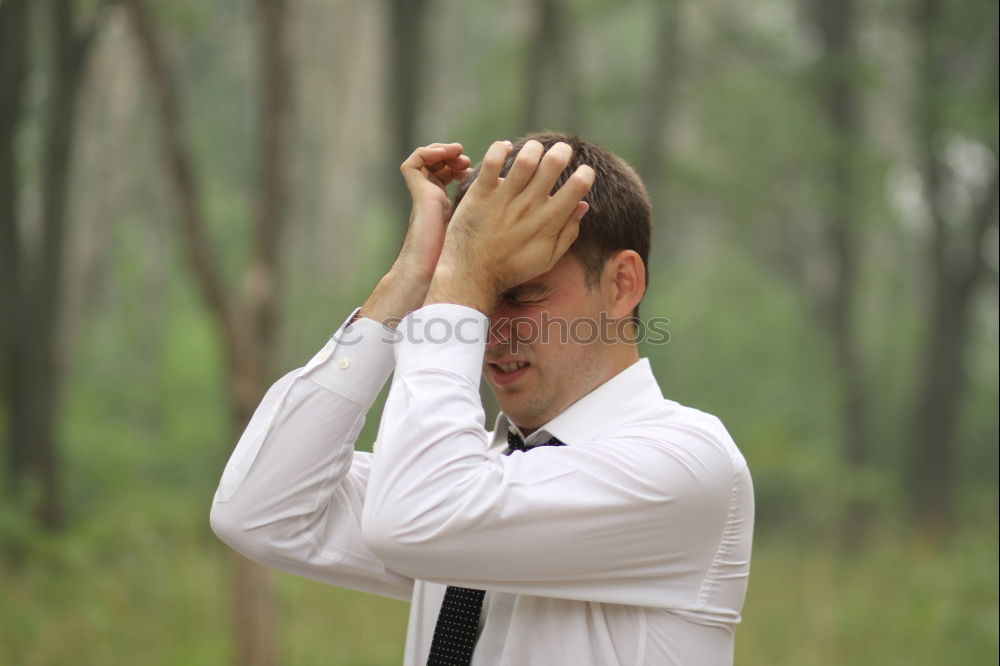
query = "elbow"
{"x": 380, "y": 535}
{"x": 228, "y": 524}
{"x": 421, "y": 540}
{"x": 223, "y": 522}
{"x": 396, "y": 541}
{"x": 414, "y": 541}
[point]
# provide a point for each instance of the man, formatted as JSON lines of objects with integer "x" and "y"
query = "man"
{"x": 598, "y": 524}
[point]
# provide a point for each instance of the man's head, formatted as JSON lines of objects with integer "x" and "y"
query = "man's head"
{"x": 620, "y": 214}
{"x": 564, "y": 327}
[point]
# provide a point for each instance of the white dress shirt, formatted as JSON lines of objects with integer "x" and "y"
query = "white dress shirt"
{"x": 629, "y": 545}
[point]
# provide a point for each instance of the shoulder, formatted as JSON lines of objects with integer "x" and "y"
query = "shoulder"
{"x": 690, "y": 448}
{"x": 674, "y": 425}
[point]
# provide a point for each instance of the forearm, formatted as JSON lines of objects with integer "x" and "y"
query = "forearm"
{"x": 456, "y": 284}
{"x": 400, "y": 291}
{"x": 292, "y": 493}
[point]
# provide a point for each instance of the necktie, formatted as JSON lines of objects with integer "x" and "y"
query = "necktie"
{"x": 458, "y": 620}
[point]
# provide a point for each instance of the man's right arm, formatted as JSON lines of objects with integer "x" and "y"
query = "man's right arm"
{"x": 293, "y": 491}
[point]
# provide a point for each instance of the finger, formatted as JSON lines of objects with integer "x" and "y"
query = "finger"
{"x": 564, "y": 201}
{"x": 524, "y": 166}
{"x": 463, "y": 174}
{"x": 450, "y": 170}
{"x": 489, "y": 172}
{"x": 570, "y": 230}
{"x": 459, "y": 163}
{"x": 430, "y": 154}
{"x": 440, "y": 152}
{"x": 444, "y": 175}
{"x": 414, "y": 169}
{"x": 556, "y": 160}
{"x": 453, "y": 149}
{"x": 423, "y": 156}
{"x": 459, "y": 175}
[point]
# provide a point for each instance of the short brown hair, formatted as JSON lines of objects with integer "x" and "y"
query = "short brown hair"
{"x": 620, "y": 213}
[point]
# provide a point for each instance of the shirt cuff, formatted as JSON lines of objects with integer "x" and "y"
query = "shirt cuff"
{"x": 443, "y": 336}
{"x": 356, "y": 360}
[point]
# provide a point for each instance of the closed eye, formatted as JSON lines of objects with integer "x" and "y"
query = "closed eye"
{"x": 517, "y": 299}
{"x": 513, "y": 300}
{"x": 525, "y": 295}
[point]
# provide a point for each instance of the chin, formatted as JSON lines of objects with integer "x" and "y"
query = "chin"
{"x": 523, "y": 415}
{"x": 511, "y": 410}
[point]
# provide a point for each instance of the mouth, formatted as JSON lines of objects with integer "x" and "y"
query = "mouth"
{"x": 509, "y": 372}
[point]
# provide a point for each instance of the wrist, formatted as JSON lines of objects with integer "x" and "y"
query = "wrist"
{"x": 406, "y": 270}
{"x": 399, "y": 292}
{"x": 451, "y": 284}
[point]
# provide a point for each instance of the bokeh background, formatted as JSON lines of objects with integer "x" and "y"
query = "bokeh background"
{"x": 194, "y": 195}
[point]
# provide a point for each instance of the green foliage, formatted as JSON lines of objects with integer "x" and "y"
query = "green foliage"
{"x": 900, "y": 601}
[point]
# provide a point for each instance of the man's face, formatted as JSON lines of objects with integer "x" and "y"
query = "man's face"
{"x": 548, "y": 327}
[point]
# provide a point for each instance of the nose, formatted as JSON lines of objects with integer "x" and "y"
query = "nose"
{"x": 499, "y": 333}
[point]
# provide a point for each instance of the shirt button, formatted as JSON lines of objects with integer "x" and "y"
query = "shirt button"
{"x": 344, "y": 364}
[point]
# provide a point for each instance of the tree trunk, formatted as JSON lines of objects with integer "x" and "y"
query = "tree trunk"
{"x": 957, "y": 263}
{"x": 551, "y": 90}
{"x": 406, "y": 74}
{"x": 37, "y": 369}
{"x": 13, "y": 63}
{"x": 543, "y": 53}
{"x": 838, "y": 93}
{"x": 936, "y": 407}
{"x": 71, "y": 48}
{"x": 246, "y": 323}
{"x": 660, "y": 103}
{"x": 942, "y": 381}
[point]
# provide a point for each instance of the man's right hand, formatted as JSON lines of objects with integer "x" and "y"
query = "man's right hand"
{"x": 427, "y": 172}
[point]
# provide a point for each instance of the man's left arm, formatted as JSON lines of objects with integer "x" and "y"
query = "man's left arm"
{"x": 632, "y": 519}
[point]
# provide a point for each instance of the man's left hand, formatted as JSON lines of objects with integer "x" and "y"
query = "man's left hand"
{"x": 507, "y": 231}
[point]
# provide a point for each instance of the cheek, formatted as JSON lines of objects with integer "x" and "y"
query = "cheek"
{"x": 527, "y": 329}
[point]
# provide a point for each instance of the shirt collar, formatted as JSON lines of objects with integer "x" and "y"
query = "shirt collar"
{"x": 617, "y": 401}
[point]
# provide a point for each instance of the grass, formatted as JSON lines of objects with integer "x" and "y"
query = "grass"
{"x": 900, "y": 600}
{"x": 148, "y": 587}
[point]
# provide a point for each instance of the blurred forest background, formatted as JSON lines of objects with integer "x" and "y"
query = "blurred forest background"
{"x": 193, "y": 196}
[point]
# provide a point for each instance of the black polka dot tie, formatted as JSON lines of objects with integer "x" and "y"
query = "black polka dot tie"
{"x": 515, "y": 443}
{"x": 455, "y": 632}
{"x": 458, "y": 621}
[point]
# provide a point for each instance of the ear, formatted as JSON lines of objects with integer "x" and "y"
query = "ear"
{"x": 623, "y": 283}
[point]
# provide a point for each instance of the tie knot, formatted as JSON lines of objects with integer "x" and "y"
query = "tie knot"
{"x": 515, "y": 443}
